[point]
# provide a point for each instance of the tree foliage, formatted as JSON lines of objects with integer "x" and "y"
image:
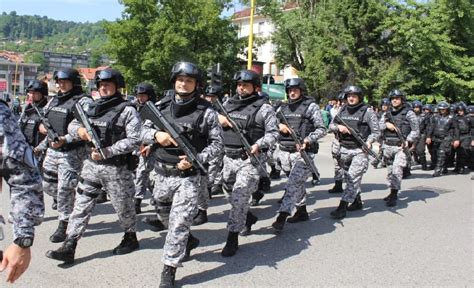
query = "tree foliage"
{"x": 153, "y": 35}
{"x": 424, "y": 48}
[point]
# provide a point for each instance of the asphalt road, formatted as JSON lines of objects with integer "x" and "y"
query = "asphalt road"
{"x": 427, "y": 240}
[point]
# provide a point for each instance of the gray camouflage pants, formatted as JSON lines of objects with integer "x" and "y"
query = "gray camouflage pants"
{"x": 240, "y": 181}
{"x": 336, "y": 155}
{"x": 355, "y": 163}
{"x": 183, "y": 194}
{"x": 396, "y": 160}
{"x": 295, "y": 194}
{"x": 117, "y": 181}
{"x": 142, "y": 177}
{"x": 60, "y": 177}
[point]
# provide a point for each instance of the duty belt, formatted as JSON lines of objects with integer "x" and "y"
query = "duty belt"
{"x": 236, "y": 153}
{"x": 392, "y": 142}
{"x": 168, "y": 170}
{"x": 290, "y": 149}
{"x": 70, "y": 146}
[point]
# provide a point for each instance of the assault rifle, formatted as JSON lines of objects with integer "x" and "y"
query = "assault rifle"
{"x": 52, "y": 135}
{"x": 357, "y": 137}
{"x": 242, "y": 138}
{"x": 150, "y": 112}
{"x": 303, "y": 153}
{"x": 90, "y": 130}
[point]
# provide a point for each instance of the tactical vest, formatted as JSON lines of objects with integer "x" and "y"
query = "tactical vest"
{"x": 109, "y": 131}
{"x": 60, "y": 112}
{"x": 296, "y": 116}
{"x": 399, "y": 119}
{"x": 29, "y": 124}
{"x": 245, "y": 115}
{"x": 356, "y": 121}
{"x": 463, "y": 123}
{"x": 441, "y": 126}
{"x": 188, "y": 118}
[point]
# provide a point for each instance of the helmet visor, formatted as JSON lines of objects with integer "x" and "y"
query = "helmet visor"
{"x": 184, "y": 68}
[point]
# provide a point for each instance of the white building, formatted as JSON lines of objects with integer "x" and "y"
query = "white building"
{"x": 263, "y": 28}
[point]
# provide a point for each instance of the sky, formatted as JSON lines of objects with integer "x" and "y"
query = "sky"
{"x": 70, "y": 10}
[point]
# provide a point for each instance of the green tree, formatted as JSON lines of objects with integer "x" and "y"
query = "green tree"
{"x": 152, "y": 35}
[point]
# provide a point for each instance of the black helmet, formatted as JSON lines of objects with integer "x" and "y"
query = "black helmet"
{"x": 213, "y": 91}
{"x": 352, "y": 89}
{"x": 187, "y": 69}
{"x": 417, "y": 103}
{"x": 428, "y": 107}
{"x": 470, "y": 109}
{"x": 442, "y": 105}
{"x": 109, "y": 75}
{"x": 295, "y": 83}
{"x": 248, "y": 76}
{"x": 461, "y": 106}
{"x": 68, "y": 74}
{"x": 37, "y": 86}
{"x": 396, "y": 93}
{"x": 145, "y": 88}
{"x": 340, "y": 96}
{"x": 385, "y": 101}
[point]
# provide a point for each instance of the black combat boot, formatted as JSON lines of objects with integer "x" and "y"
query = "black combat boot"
{"x": 300, "y": 215}
{"x": 256, "y": 197}
{"x": 138, "y": 205}
{"x": 337, "y": 187}
{"x": 356, "y": 205}
{"x": 129, "y": 243}
{"x": 155, "y": 223}
{"x": 461, "y": 170}
{"x": 280, "y": 221}
{"x": 200, "y": 218}
{"x": 217, "y": 190}
{"x": 231, "y": 245}
{"x": 54, "y": 206}
{"x": 251, "y": 219}
{"x": 167, "y": 277}
{"x": 424, "y": 167}
{"x": 445, "y": 171}
{"x": 437, "y": 173}
{"x": 315, "y": 180}
{"x": 64, "y": 253}
{"x": 102, "y": 198}
{"x": 392, "y": 198}
{"x": 193, "y": 243}
{"x": 60, "y": 234}
{"x": 406, "y": 172}
{"x": 340, "y": 212}
{"x": 274, "y": 173}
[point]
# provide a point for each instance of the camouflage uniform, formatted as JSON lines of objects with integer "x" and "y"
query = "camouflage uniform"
{"x": 394, "y": 155}
{"x": 352, "y": 159}
{"x": 177, "y": 195}
{"x": 18, "y": 166}
{"x": 62, "y": 166}
{"x": 293, "y": 164}
{"x": 241, "y": 177}
{"x": 142, "y": 175}
{"x": 116, "y": 179}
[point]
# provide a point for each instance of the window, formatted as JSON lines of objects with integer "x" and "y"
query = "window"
{"x": 273, "y": 69}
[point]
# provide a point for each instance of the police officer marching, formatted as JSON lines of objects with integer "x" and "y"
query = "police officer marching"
{"x": 117, "y": 125}
{"x": 30, "y": 120}
{"x": 179, "y": 179}
{"x": 19, "y": 168}
{"x": 363, "y": 121}
{"x": 305, "y": 120}
{"x": 442, "y": 132}
{"x": 64, "y": 155}
{"x": 258, "y": 124}
{"x": 144, "y": 92}
{"x": 398, "y": 120}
